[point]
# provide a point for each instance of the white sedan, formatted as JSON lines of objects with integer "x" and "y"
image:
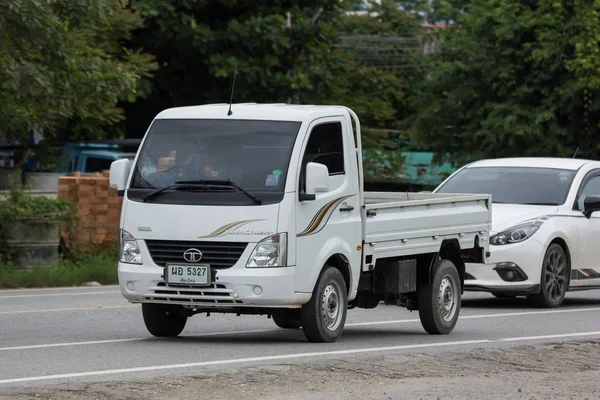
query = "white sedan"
{"x": 545, "y": 236}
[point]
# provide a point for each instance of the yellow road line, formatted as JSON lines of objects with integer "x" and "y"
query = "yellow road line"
{"x": 66, "y": 309}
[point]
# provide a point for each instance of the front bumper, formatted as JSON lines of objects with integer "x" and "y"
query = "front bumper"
{"x": 523, "y": 259}
{"x": 233, "y": 287}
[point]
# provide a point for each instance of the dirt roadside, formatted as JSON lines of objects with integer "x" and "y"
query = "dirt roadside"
{"x": 558, "y": 371}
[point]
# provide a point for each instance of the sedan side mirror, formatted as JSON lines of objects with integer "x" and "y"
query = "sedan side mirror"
{"x": 591, "y": 204}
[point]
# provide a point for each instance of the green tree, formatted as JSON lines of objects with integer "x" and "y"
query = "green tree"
{"x": 521, "y": 78}
{"x": 275, "y": 46}
{"x": 63, "y": 66}
{"x": 373, "y": 70}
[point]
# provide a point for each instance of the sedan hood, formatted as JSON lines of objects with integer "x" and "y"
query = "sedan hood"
{"x": 505, "y": 216}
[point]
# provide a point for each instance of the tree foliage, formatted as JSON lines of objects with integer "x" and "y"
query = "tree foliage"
{"x": 200, "y": 44}
{"x": 63, "y": 64}
{"x": 521, "y": 78}
{"x": 373, "y": 71}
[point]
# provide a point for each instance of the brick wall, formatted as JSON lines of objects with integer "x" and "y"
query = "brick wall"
{"x": 98, "y": 209}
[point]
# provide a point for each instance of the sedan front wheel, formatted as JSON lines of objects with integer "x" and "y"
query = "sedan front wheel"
{"x": 554, "y": 278}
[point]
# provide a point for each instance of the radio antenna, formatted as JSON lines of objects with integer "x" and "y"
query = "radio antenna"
{"x": 577, "y": 150}
{"x": 232, "y": 90}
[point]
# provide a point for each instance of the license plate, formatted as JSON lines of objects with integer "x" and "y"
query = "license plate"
{"x": 188, "y": 274}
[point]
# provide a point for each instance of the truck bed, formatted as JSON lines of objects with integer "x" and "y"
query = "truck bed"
{"x": 401, "y": 223}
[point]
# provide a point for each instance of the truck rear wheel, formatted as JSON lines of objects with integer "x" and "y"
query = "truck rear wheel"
{"x": 163, "y": 320}
{"x": 324, "y": 316}
{"x": 287, "y": 319}
{"x": 439, "y": 300}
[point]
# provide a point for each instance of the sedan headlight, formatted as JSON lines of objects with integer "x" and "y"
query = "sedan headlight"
{"x": 517, "y": 233}
{"x": 269, "y": 252}
{"x": 129, "y": 250}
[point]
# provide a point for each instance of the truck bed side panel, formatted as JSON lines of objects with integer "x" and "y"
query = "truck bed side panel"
{"x": 419, "y": 225}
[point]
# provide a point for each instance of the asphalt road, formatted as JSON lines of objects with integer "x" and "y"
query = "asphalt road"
{"x": 52, "y": 336}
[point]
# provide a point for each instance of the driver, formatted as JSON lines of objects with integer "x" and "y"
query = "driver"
{"x": 166, "y": 170}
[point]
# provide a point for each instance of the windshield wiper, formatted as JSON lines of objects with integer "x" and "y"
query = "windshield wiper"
{"x": 227, "y": 182}
{"x": 200, "y": 184}
{"x": 176, "y": 185}
{"x": 540, "y": 204}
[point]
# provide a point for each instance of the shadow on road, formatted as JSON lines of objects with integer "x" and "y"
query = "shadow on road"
{"x": 295, "y": 336}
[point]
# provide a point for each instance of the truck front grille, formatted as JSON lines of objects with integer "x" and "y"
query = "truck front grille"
{"x": 219, "y": 255}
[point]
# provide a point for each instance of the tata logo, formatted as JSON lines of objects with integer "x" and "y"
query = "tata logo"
{"x": 192, "y": 255}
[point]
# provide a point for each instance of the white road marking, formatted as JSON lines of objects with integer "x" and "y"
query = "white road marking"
{"x": 20, "y": 296}
{"x": 513, "y": 314}
{"x": 47, "y": 310}
{"x": 284, "y": 357}
{"x": 556, "y": 336}
{"x": 102, "y": 287}
{"x": 43, "y": 346}
{"x": 399, "y": 321}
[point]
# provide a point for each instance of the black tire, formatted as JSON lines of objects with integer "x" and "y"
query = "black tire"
{"x": 287, "y": 319}
{"x": 163, "y": 320}
{"x": 439, "y": 301}
{"x": 324, "y": 316}
{"x": 553, "y": 280}
{"x": 503, "y": 295}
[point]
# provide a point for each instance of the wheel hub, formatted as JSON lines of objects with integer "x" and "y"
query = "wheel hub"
{"x": 447, "y": 299}
{"x": 332, "y": 312}
{"x": 555, "y": 280}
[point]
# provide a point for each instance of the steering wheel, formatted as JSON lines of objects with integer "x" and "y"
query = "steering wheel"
{"x": 158, "y": 174}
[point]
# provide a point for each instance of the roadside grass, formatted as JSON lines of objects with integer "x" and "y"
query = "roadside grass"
{"x": 70, "y": 270}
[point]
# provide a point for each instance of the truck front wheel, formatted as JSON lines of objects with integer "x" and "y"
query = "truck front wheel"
{"x": 163, "y": 320}
{"x": 439, "y": 300}
{"x": 324, "y": 316}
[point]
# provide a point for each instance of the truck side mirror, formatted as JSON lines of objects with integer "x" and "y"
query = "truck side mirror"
{"x": 591, "y": 204}
{"x": 317, "y": 178}
{"x": 119, "y": 171}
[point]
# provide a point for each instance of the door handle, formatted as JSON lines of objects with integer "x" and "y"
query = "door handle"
{"x": 348, "y": 208}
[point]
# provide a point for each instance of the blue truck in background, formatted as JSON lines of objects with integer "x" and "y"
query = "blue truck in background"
{"x": 90, "y": 157}
{"x": 84, "y": 157}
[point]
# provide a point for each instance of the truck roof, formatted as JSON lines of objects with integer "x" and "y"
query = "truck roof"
{"x": 106, "y": 153}
{"x": 272, "y": 111}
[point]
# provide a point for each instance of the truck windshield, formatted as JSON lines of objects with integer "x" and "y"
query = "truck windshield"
{"x": 513, "y": 185}
{"x": 253, "y": 154}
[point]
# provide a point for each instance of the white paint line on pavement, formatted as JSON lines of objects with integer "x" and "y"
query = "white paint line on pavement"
{"x": 45, "y": 346}
{"x": 513, "y": 314}
{"x": 556, "y": 336}
{"x": 283, "y": 357}
{"x": 47, "y": 289}
{"x": 399, "y": 321}
{"x": 20, "y": 296}
{"x": 66, "y": 309}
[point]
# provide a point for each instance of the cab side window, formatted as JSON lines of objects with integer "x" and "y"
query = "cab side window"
{"x": 325, "y": 146}
{"x": 591, "y": 187}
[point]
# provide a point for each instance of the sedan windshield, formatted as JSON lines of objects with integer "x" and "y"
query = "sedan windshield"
{"x": 513, "y": 185}
{"x": 252, "y": 154}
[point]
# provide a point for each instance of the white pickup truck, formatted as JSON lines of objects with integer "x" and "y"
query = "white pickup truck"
{"x": 260, "y": 209}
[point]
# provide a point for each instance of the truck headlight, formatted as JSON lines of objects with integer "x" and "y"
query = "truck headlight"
{"x": 129, "y": 250}
{"x": 516, "y": 234}
{"x": 269, "y": 252}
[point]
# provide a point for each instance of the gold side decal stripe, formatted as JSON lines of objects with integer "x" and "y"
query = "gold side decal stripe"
{"x": 322, "y": 215}
{"x": 227, "y": 227}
